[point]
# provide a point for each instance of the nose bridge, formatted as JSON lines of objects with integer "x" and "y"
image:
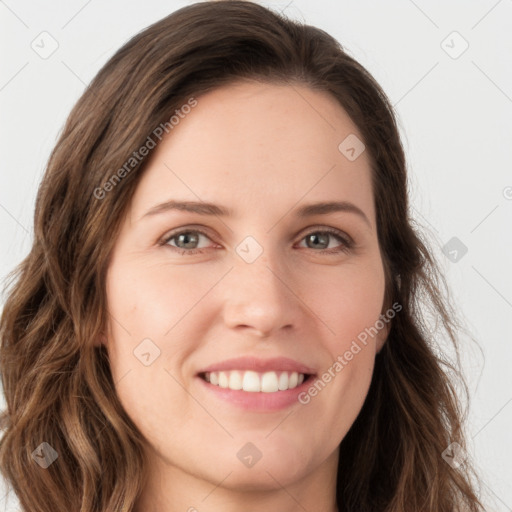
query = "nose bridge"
{"x": 257, "y": 294}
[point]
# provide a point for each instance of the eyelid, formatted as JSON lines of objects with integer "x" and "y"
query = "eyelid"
{"x": 185, "y": 229}
{"x": 328, "y": 229}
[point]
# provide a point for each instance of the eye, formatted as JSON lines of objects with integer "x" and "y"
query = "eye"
{"x": 321, "y": 239}
{"x": 187, "y": 241}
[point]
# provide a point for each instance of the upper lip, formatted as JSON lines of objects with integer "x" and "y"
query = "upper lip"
{"x": 259, "y": 365}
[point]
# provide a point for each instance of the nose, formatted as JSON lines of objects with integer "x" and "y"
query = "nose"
{"x": 260, "y": 299}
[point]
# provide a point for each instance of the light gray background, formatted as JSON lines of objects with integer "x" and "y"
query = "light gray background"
{"x": 455, "y": 113}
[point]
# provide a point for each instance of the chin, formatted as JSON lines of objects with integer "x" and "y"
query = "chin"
{"x": 262, "y": 477}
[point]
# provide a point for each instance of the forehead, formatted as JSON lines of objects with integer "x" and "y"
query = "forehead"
{"x": 257, "y": 146}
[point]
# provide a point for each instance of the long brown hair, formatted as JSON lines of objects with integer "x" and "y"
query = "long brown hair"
{"x": 57, "y": 383}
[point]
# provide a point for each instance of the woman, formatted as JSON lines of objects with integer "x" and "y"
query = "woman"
{"x": 223, "y": 305}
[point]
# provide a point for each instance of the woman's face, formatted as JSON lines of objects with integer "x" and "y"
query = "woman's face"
{"x": 272, "y": 280}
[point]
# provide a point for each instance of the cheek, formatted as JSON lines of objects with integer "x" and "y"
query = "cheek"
{"x": 350, "y": 306}
{"x": 149, "y": 299}
{"x": 349, "y": 302}
{"x": 146, "y": 303}
{"x": 148, "y": 306}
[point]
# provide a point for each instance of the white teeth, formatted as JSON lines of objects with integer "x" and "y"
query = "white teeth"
{"x": 235, "y": 380}
{"x": 251, "y": 382}
{"x": 268, "y": 382}
{"x": 283, "y": 381}
{"x": 223, "y": 380}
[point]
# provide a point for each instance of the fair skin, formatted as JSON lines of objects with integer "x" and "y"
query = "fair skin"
{"x": 263, "y": 151}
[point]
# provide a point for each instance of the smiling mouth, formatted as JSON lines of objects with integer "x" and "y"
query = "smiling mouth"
{"x": 254, "y": 382}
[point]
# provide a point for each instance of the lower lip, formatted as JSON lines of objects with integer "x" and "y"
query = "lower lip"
{"x": 258, "y": 401}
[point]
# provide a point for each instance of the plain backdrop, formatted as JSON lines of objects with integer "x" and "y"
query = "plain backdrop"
{"x": 447, "y": 69}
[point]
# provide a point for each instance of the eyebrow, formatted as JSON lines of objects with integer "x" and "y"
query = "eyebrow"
{"x": 307, "y": 210}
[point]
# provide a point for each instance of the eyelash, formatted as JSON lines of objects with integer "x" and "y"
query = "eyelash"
{"x": 347, "y": 244}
